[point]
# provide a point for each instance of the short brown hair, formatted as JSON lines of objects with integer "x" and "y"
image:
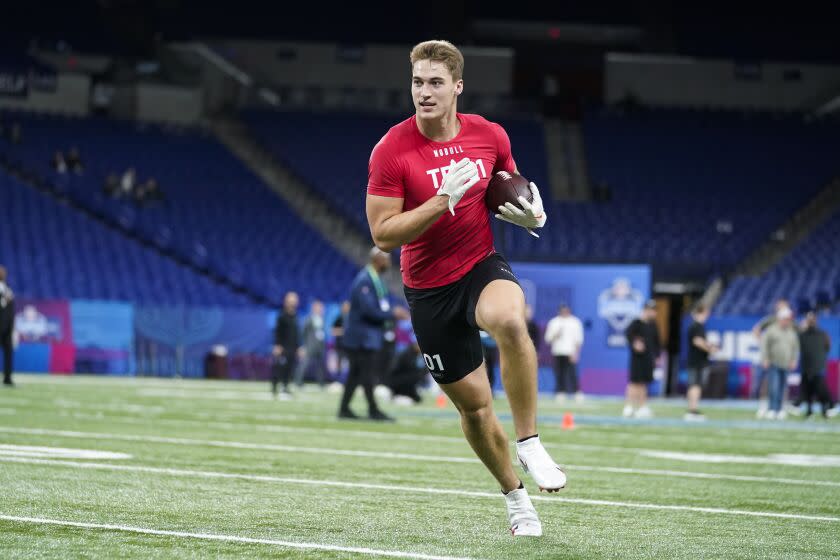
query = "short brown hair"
{"x": 700, "y": 308}
{"x": 440, "y": 51}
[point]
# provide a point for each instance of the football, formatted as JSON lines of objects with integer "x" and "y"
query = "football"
{"x": 506, "y": 187}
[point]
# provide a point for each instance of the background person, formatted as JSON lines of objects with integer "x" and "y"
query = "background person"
{"x": 779, "y": 353}
{"x": 699, "y": 349}
{"x": 564, "y": 333}
{"x": 643, "y": 339}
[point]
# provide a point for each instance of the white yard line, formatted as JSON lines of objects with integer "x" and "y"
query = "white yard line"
{"x": 239, "y": 445}
{"x": 407, "y": 456}
{"x": 228, "y": 538}
{"x": 414, "y": 489}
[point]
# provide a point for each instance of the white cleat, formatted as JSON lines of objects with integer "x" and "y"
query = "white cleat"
{"x": 628, "y": 411}
{"x": 644, "y": 412}
{"x": 536, "y": 461}
{"x": 523, "y": 518}
{"x": 579, "y": 397}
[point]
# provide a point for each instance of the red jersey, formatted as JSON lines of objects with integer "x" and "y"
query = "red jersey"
{"x": 405, "y": 164}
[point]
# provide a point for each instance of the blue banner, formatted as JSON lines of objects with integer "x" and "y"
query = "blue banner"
{"x": 606, "y": 298}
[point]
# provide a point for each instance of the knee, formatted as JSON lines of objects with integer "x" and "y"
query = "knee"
{"x": 476, "y": 414}
{"x": 508, "y": 327}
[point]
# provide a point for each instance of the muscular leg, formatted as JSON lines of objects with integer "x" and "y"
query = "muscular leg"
{"x": 473, "y": 399}
{"x": 501, "y": 312}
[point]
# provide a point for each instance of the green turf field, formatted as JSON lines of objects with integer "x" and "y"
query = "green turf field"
{"x": 151, "y": 468}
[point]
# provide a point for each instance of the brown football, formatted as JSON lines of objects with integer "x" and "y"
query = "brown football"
{"x": 506, "y": 187}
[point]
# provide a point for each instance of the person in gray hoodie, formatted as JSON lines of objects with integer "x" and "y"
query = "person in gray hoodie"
{"x": 779, "y": 354}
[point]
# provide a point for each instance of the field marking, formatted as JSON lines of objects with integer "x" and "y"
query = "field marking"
{"x": 239, "y": 445}
{"x": 228, "y": 538}
{"x": 404, "y": 456}
{"x": 788, "y": 459}
{"x": 417, "y": 489}
{"x": 7, "y": 450}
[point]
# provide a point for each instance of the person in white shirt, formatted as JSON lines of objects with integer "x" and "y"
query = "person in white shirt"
{"x": 565, "y": 335}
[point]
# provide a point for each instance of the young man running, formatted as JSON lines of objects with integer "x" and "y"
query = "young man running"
{"x": 419, "y": 197}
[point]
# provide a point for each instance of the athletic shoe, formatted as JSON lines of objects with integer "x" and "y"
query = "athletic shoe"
{"x": 832, "y": 412}
{"x": 523, "y": 518}
{"x": 694, "y": 416}
{"x": 761, "y": 413}
{"x": 380, "y": 416}
{"x": 793, "y": 410}
{"x": 578, "y": 397}
{"x": 781, "y": 415}
{"x": 628, "y": 411}
{"x": 8, "y": 383}
{"x": 770, "y": 415}
{"x": 560, "y": 397}
{"x": 347, "y": 414}
{"x": 644, "y": 412}
{"x": 536, "y": 461}
{"x": 402, "y": 400}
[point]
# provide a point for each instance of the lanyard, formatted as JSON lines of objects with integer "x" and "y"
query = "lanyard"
{"x": 377, "y": 283}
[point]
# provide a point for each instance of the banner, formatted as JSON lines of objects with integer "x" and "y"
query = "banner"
{"x": 104, "y": 337}
{"x": 606, "y": 298}
{"x": 46, "y": 336}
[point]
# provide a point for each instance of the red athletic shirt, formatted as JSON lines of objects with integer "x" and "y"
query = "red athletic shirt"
{"x": 405, "y": 164}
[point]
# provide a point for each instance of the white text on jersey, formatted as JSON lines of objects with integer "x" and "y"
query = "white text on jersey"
{"x": 448, "y": 151}
{"x": 445, "y": 169}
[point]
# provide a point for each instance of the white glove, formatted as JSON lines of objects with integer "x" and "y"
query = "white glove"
{"x": 530, "y": 216}
{"x": 458, "y": 180}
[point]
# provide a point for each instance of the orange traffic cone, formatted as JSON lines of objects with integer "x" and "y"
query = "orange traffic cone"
{"x": 441, "y": 401}
{"x": 568, "y": 422}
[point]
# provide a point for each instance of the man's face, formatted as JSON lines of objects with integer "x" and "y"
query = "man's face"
{"x": 565, "y": 311}
{"x": 433, "y": 90}
{"x": 702, "y": 317}
{"x": 318, "y": 308}
{"x": 290, "y": 302}
{"x": 650, "y": 314}
{"x": 381, "y": 262}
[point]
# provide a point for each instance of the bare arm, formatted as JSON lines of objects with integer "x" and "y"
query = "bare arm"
{"x": 390, "y": 227}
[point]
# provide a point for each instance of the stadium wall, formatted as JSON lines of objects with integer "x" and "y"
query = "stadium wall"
{"x": 68, "y": 93}
{"x": 688, "y": 82}
{"x": 329, "y": 65}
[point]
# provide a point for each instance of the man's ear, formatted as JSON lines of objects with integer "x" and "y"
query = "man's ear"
{"x": 459, "y": 87}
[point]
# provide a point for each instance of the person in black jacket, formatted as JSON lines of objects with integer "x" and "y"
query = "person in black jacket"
{"x": 286, "y": 344}
{"x": 7, "y": 327}
{"x": 814, "y": 344}
{"x": 408, "y": 373}
{"x": 643, "y": 339}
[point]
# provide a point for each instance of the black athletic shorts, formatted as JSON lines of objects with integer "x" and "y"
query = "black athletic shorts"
{"x": 444, "y": 320}
{"x": 698, "y": 376}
